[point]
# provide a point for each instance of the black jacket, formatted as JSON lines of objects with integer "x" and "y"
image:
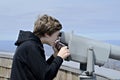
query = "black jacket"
{"x": 29, "y": 61}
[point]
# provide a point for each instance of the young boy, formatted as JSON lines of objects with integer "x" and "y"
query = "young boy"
{"x": 29, "y": 61}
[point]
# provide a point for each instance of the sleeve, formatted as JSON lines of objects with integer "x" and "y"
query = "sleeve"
{"x": 39, "y": 67}
{"x": 49, "y": 60}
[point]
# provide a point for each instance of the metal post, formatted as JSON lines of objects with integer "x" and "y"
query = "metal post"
{"x": 89, "y": 73}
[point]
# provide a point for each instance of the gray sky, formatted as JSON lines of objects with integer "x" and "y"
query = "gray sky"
{"x": 99, "y": 19}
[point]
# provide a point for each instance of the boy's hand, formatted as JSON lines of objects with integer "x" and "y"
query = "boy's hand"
{"x": 64, "y": 52}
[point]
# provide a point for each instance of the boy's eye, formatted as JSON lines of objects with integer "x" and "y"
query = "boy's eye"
{"x": 60, "y": 34}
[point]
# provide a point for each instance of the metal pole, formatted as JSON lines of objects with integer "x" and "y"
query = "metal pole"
{"x": 89, "y": 73}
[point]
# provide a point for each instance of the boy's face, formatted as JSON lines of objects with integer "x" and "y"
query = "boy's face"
{"x": 53, "y": 38}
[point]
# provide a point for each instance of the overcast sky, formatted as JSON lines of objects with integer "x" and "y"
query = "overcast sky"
{"x": 99, "y": 19}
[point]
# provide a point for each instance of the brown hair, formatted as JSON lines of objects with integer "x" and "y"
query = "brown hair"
{"x": 46, "y": 24}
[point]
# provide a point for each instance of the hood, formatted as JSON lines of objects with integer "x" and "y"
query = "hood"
{"x": 25, "y": 36}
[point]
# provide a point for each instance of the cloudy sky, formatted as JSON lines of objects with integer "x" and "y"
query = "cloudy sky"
{"x": 99, "y": 19}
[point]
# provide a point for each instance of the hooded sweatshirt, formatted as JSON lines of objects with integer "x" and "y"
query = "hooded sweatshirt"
{"x": 29, "y": 61}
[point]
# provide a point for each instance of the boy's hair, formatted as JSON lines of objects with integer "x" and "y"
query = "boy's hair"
{"x": 46, "y": 24}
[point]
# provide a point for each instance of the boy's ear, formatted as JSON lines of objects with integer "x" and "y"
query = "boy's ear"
{"x": 46, "y": 35}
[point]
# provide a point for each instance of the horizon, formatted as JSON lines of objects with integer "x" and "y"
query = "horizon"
{"x": 8, "y": 45}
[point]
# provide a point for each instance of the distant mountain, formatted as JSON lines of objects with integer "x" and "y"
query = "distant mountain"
{"x": 113, "y": 42}
{"x": 8, "y": 46}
